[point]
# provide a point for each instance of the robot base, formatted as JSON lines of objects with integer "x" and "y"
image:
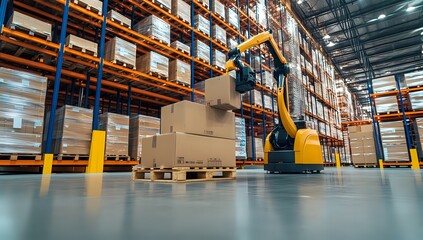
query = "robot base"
{"x": 293, "y": 168}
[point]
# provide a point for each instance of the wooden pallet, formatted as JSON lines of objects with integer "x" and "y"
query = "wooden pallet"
{"x": 74, "y": 157}
{"x": 30, "y": 32}
{"x": 83, "y": 50}
{"x": 183, "y": 174}
{"x": 219, "y": 68}
{"x": 158, "y": 75}
{"x": 117, "y": 157}
{"x": 219, "y": 41}
{"x": 88, "y": 7}
{"x": 202, "y": 60}
{"x": 181, "y": 83}
{"x": 20, "y": 156}
{"x": 207, "y": 34}
{"x": 120, "y": 22}
{"x": 159, "y": 40}
{"x": 365, "y": 165}
{"x": 202, "y": 2}
{"x": 219, "y": 16}
{"x": 182, "y": 19}
{"x": 258, "y": 106}
{"x": 123, "y": 64}
{"x": 183, "y": 51}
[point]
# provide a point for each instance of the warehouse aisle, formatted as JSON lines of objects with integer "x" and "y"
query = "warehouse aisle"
{"x": 350, "y": 204}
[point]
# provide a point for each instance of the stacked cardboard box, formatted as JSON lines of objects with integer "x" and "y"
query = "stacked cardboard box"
{"x": 20, "y": 20}
{"x": 386, "y": 104}
{"x": 84, "y": 44}
{"x": 232, "y": 18}
{"x": 219, "y": 34}
{"x": 419, "y": 125}
{"x": 252, "y": 14}
{"x": 240, "y": 138}
{"x": 154, "y": 27}
{"x": 414, "y": 79}
{"x": 362, "y": 145}
{"x": 119, "y": 50}
{"x": 218, "y": 8}
{"x": 232, "y": 43}
{"x": 22, "y": 97}
{"x": 269, "y": 81}
{"x": 219, "y": 59}
{"x": 393, "y": 141}
{"x": 153, "y": 62}
{"x": 258, "y": 146}
{"x": 202, "y": 24}
{"x": 180, "y": 71}
{"x": 165, "y": 3}
{"x": 117, "y": 133}
{"x": 262, "y": 15}
{"x": 96, "y": 5}
{"x": 196, "y": 135}
{"x": 384, "y": 84}
{"x": 267, "y": 101}
{"x": 72, "y": 130}
{"x": 181, "y": 46}
{"x": 256, "y": 98}
{"x": 416, "y": 99}
{"x": 116, "y": 16}
{"x": 202, "y": 51}
{"x": 182, "y": 10}
{"x": 140, "y": 127}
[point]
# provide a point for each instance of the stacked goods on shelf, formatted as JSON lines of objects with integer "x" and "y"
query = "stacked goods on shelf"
{"x": 93, "y": 5}
{"x": 34, "y": 26}
{"x": 362, "y": 144}
{"x": 387, "y": 104}
{"x": 181, "y": 47}
{"x": 140, "y": 127}
{"x": 180, "y": 71}
{"x": 218, "y": 8}
{"x": 73, "y": 41}
{"x": 414, "y": 79}
{"x": 394, "y": 143}
{"x": 154, "y": 27}
{"x": 232, "y": 18}
{"x": 201, "y": 51}
{"x": 219, "y": 59}
{"x": 164, "y": 3}
{"x": 240, "y": 138}
{"x": 182, "y": 10}
{"x": 219, "y": 34}
{"x": 419, "y": 125}
{"x": 262, "y": 15}
{"x": 258, "y": 148}
{"x": 117, "y": 133}
{"x": 72, "y": 130}
{"x": 267, "y": 102}
{"x": 119, "y": 51}
{"x": 347, "y": 146}
{"x": 346, "y": 106}
{"x": 232, "y": 43}
{"x": 252, "y": 14}
{"x": 196, "y": 135}
{"x": 256, "y": 98}
{"x": 268, "y": 80}
{"x": 416, "y": 99}
{"x": 384, "y": 84}
{"x": 202, "y": 24}
{"x": 22, "y": 97}
{"x": 153, "y": 63}
{"x": 117, "y": 17}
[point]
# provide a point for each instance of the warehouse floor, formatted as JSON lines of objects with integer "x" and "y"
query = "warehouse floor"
{"x": 349, "y": 204}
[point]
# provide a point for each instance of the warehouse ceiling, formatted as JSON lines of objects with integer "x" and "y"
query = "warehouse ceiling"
{"x": 366, "y": 39}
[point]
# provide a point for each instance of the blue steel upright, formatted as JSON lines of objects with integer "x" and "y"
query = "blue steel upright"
{"x": 192, "y": 52}
{"x": 3, "y": 8}
{"x": 404, "y": 116}
{"x": 56, "y": 88}
{"x": 100, "y": 68}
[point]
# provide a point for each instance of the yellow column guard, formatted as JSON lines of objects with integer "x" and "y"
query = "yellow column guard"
{"x": 414, "y": 159}
{"x": 96, "y": 160}
{"x": 48, "y": 163}
{"x": 381, "y": 164}
{"x": 337, "y": 160}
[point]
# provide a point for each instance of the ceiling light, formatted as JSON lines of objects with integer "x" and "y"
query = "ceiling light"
{"x": 300, "y": 1}
{"x": 326, "y": 36}
{"x": 331, "y": 44}
{"x": 410, "y": 8}
{"x": 381, "y": 16}
{"x": 388, "y": 72}
{"x": 421, "y": 33}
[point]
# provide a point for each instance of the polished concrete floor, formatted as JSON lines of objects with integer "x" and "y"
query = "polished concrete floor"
{"x": 348, "y": 204}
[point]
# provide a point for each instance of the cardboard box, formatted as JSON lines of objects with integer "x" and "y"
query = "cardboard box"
{"x": 220, "y": 93}
{"x": 116, "y": 16}
{"x": 219, "y": 9}
{"x": 182, "y": 9}
{"x": 219, "y": 34}
{"x": 258, "y": 146}
{"x": 195, "y": 118}
{"x": 153, "y": 62}
{"x": 84, "y": 44}
{"x": 180, "y": 71}
{"x": 140, "y": 127}
{"x": 202, "y": 24}
{"x": 117, "y": 133}
{"x": 181, "y": 47}
{"x": 154, "y": 27}
{"x": 187, "y": 150}
{"x": 256, "y": 98}
{"x": 29, "y": 23}
{"x": 202, "y": 50}
{"x": 93, "y": 4}
{"x": 119, "y": 50}
{"x": 219, "y": 59}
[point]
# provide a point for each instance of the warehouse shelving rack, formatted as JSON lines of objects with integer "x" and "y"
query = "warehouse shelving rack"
{"x": 404, "y": 114}
{"x": 78, "y": 78}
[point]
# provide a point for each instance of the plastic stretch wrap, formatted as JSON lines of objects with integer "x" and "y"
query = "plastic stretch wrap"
{"x": 258, "y": 146}
{"x": 384, "y": 84}
{"x": 219, "y": 34}
{"x": 232, "y": 18}
{"x": 141, "y": 126}
{"x": 29, "y": 23}
{"x": 386, "y": 104}
{"x": 262, "y": 15}
{"x": 202, "y": 50}
{"x": 267, "y": 100}
{"x": 154, "y": 27}
{"x": 218, "y": 8}
{"x": 269, "y": 81}
{"x": 22, "y": 97}
{"x": 119, "y": 50}
{"x": 181, "y": 46}
{"x": 180, "y": 71}
{"x": 202, "y": 24}
{"x": 416, "y": 99}
{"x": 116, "y": 16}
{"x": 255, "y": 65}
{"x": 117, "y": 133}
{"x": 393, "y": 141}
{"x": 256, "y": 98}
{"x": 232, "y": 43}
{"x": 240, "y": 138}
{"x": 414, "y": 79}
{"x": 219, "y": 58}
{"x": 73, "y": 40}
{"x": 95, "y": 4}
{"x": 166, "y": 3}
{"x": 72, "y": 130}
{"x": 181, "y": 9}
{"x": 252, "y": 14}
{"x": 152, "y": 62}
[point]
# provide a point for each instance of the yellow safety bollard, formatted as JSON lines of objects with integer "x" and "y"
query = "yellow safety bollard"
{"x": 96, "y": 160}
{"x": 337, "y": 160}
{"x": 381, "y": 164}
{"x": 48, "y": 163}
{"x": 414, "y": 159}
